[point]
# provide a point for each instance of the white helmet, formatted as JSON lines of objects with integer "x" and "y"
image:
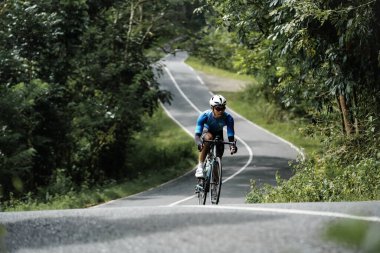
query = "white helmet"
{"x": 218, "y": 100}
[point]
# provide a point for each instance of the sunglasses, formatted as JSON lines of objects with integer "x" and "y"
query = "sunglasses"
{"x": 220, "y": 108}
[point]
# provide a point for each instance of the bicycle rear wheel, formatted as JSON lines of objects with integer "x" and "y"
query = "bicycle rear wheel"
{"x": 216, "y": 181}
{"x": 202, "y": 193}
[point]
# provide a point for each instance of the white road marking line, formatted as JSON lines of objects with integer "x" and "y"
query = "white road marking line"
{"x": 244, "y": 118}
{"x": 291, "y": 211}
{"x": 200, "y": 80}
{"x": 182, "y": 200}
{"x": 150, "y": 189}
{"x": 246, "y": 164}
{"x": 272, "y": 134}
{"x": 199, "y": 111}
{"x": 180, "y": 91}
{"x": 176, "y": 121}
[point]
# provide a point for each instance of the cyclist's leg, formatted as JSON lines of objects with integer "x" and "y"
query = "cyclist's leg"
{"x": 202, "y": 155}
{"x": 205, "y": 136}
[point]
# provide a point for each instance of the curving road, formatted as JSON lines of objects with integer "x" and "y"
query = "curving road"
{"x": 166, "y": 218}
{"x": 260, "y": 154}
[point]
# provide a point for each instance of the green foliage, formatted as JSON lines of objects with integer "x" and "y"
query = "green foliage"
{"x": 75, "y": 85}
{"x": 360, "y": 235}
{"x": 308, "y": 53}
{"x": 344, "y": 169}
{"x": 162, "y": 152}
{"x": 215, "y": 48}
{"x": 3, "y": 232}
{"x": 335, "y": 45}
{"x": 198, "y": 64}
{"x": 168, "y": 151}
{"x": 19, "y": 121}
{"x": 318, "y": 60}
{"x": 324, "y": 180}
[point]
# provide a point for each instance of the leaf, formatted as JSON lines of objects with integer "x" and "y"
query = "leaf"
{"x": 273, "y": 3}
{"x": 349, "y": 23}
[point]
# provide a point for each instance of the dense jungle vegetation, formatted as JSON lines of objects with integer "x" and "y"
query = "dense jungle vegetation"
{"x": 318, "y": 60}
{"x": 76, "y": 82}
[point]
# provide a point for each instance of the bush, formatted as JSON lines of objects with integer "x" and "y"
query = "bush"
{"x": 323, "y": 180}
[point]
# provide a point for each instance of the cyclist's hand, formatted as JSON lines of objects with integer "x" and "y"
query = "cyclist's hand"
{"x": 233, "y": 149}
{"x": 200, "y": 145}
{"x": 198, "y": 142}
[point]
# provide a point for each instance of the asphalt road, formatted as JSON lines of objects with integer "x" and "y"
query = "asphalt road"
{"x": 233, "y": 228}
{"x": 166, "y": 218}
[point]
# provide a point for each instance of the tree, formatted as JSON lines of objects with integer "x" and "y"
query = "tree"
{"x": 327, "y": 51}
{"x": 75, "y": 83}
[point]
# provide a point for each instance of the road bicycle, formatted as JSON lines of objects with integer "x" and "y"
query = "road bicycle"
{"x": 212, "y": 171}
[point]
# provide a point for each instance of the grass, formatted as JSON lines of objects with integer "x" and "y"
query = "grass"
{"x": 267, "y": 116}
{"x": 198, "y": 65}
{"x": 255, "y": 108}
{"x": 163, "y": 152}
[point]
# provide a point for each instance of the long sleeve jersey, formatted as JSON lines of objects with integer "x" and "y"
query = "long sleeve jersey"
{"x": 215, "y": 125}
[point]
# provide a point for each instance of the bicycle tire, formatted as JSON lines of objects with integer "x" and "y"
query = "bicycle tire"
{"x": 216, "y": 181}
{"x": 202, "y": 194}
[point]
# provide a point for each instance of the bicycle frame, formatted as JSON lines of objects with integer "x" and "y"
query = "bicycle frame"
{"x": 203, "y": 186}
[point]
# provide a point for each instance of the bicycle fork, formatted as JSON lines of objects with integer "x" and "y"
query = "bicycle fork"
{"x": 201, "y": 186}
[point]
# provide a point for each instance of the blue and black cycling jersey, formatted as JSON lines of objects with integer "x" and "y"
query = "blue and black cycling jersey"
{"x": 215, "y": 125}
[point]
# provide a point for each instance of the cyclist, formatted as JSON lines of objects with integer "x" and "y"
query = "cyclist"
{"x": 209, "y": 125}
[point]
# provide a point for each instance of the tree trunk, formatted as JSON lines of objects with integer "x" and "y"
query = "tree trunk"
{"x": 345, "y": 111}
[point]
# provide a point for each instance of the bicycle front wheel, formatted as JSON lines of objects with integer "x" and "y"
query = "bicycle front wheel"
{"x": 216, "y": 181}
{"x": 202, "y": 193}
